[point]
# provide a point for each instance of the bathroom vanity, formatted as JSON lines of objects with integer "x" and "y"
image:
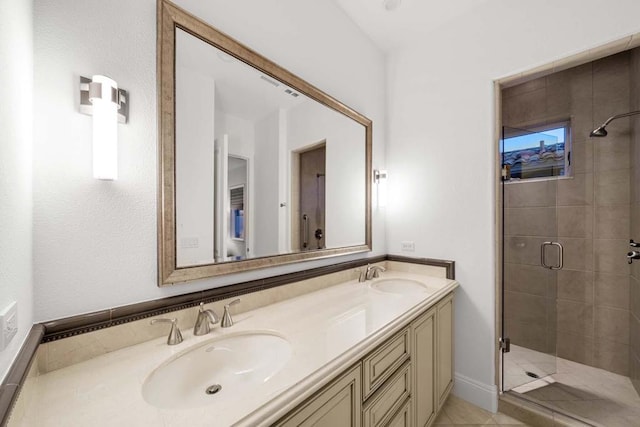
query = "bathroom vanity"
{"x": 402, "y": 382}
{"x": 368, "y": 353}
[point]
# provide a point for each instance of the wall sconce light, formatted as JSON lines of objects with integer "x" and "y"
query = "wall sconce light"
{"x": 101, "y": 98}
{"x": 380, "y": 179}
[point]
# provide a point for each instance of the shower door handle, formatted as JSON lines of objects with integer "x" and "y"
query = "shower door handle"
{"x": 305, "y": 231}
{"x": 560, "y": 256}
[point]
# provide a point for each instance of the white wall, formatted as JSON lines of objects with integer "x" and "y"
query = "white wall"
{"x": 95, "y": 242}
{"x": 441, "y": 145}
{"x": 241, "y": 135}
{"x": 195, "y": 170}
{"x": 16, "y": 138}
{"x": 345, "y": 167}
{"x": 266, "y": 187}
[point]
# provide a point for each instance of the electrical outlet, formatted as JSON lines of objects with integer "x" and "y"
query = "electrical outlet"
{"x": 8, "y": 324}
{"x": 407, "y": 246}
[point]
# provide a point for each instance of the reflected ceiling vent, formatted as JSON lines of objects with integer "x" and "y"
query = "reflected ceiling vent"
{"x": 292, "y": 93}
{"x": 270, "y": 81}
{"x": 225, "y": 56}
{"x": 391, "y": 5}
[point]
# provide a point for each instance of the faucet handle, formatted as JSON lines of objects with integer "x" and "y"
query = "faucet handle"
{"x": 175, "y": 336}
{"x": 227, "y": 321}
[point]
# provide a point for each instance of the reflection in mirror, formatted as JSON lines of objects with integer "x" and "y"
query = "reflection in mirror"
{"x": 257, "y": 167}
{"x": 304, "y": 181}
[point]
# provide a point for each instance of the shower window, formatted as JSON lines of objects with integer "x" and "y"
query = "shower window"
{"x": 537, "y": 152}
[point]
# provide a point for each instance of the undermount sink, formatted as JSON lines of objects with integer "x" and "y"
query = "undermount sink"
{"x": 400, "y": 286}
{"x": 216, "y": 370}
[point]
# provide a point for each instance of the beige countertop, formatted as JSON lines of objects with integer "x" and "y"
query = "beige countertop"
{"x": 328, "y": 330}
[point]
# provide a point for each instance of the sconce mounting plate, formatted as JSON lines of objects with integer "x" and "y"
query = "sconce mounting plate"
{"x": 87, "y": 108}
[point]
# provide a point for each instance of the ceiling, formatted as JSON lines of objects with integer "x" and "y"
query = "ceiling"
{"x": 412, "y": 20}
{"x": 240, "y": 90}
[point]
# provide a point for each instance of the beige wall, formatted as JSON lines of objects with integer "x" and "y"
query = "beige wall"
{"x": 634, "y": 280}
{"x": 588, "y": 214}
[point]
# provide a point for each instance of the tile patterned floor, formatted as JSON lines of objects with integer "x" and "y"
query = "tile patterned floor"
{"x": 599, "y": 396}
{"x": 460, "y": 413}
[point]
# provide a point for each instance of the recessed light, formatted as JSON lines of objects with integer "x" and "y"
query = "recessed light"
{"x": 391, "y": 4}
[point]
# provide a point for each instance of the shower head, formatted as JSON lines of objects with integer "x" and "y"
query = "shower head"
{"x": 601, "y": 131}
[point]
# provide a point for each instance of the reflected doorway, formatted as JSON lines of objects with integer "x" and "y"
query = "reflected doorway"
{"x": 238, "y": 182}
{"x": 309, "y": 190}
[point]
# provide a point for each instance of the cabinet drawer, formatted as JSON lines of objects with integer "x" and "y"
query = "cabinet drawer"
{"x": 385, "y": 403}
{"x": 402, "y": 418}
{"x": 383, "y": 362}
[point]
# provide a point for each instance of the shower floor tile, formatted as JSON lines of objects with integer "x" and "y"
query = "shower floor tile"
{"x": 594, "y": 394}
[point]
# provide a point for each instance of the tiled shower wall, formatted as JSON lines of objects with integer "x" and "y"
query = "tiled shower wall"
{"x": 634, "y": 280}
{"x": 581, "y": 311}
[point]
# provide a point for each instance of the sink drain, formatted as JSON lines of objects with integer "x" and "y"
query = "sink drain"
{"x": 213, "y": 389}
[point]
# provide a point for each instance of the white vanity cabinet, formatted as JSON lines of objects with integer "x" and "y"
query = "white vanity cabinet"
{"x": 423, "y": 335}
{"x": 338, "y": 404}
{"x": 402, "y": 382}
{"x": 444, "y": 348}
{"x": 432, "y": 360}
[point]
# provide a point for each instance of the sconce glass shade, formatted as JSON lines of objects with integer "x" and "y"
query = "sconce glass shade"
{"x": 105, "y": 127}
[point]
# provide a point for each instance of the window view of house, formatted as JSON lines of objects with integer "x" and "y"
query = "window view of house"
{"x": 536, "y": 153}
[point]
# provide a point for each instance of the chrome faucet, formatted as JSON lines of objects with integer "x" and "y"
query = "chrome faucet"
{"x": 372, "y": 272}
{"x": 175, "y": 336}
{"x": 226, "y": 317}
{"x": 205, "y": 317}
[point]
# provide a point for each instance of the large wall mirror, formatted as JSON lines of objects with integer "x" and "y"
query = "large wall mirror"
{"x": 257, "y": 167}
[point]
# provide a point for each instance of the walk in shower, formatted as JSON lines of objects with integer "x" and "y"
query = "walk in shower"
{"x": 570, "y": 314}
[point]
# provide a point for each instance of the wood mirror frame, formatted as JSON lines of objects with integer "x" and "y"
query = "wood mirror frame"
{"x": 170, "y": 17}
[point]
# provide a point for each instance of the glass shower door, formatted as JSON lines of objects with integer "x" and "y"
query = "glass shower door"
{"x": 531, "y": 256}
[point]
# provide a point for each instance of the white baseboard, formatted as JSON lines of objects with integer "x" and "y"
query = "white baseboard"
{"x": 482, "y": 395}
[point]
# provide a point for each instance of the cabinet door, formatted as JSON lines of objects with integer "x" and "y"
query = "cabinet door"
{"x": 423, "y": 358}
{"x": 337, "y": 405}
{"x": 444, "y": 348}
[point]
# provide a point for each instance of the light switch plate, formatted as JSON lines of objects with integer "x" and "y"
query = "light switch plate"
{"x": 8, "y": 324}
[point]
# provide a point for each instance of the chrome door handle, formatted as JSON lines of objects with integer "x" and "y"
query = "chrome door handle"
{"x": 542, "y": 246}
{"x": 560, "y": 256}
{"x": 305, "y": 231}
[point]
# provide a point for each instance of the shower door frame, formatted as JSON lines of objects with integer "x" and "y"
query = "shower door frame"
{"x": 595, "y": 53}
{"x": 545, "y": 365}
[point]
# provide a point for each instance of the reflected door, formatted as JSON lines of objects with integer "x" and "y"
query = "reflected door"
{"x": 532, "y": 255}
{"x": 238, "y": 246}
{"x": 312, "y": 198}
{"x": 221, "y": 199}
